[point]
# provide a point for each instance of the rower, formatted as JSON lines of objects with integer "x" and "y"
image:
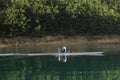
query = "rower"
{"x": 62, "y": 51}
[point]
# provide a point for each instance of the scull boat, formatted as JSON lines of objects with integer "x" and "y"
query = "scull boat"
{"x": 54, "y": 54}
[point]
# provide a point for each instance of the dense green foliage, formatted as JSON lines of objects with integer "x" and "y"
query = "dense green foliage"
{"x": 59, "y": 17}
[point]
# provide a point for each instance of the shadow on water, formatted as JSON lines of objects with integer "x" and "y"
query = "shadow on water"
{"x": 48, "y": 68}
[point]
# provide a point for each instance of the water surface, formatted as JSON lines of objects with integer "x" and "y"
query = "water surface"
{"x": 48, "y": 67}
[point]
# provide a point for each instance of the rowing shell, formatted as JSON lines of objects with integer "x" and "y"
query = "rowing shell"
{"x": 55, "y": 54}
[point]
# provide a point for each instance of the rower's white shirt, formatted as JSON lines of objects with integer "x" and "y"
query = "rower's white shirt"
{"x": 65, "y": 49}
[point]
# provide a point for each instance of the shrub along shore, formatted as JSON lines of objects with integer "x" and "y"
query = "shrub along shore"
{"x": 59, "y": 17}
{"x": 36, "y": 19}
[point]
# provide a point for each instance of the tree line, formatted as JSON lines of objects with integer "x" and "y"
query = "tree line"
{"x": 59, "y": 17}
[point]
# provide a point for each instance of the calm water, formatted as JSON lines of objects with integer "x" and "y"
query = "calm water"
{"x": 48, "y": 68}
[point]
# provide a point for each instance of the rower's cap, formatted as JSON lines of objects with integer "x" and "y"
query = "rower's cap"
{"x": 64, "y": 47}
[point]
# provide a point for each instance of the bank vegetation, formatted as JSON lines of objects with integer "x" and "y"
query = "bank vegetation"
{"x": 59, "y": 17}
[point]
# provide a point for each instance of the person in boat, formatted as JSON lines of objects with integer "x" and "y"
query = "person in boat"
{"x": 62, "y": 51}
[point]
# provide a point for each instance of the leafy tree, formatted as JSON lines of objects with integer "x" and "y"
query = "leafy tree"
{"x": 59, "y": 17}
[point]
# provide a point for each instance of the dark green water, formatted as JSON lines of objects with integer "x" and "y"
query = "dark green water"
{"x": 48, "y": 68}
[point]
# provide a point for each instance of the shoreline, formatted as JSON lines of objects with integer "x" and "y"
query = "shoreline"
{"x": 59, "y": 40}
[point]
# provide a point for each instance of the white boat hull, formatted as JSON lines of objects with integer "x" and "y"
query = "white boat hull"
{"x": 55, "y": 54}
